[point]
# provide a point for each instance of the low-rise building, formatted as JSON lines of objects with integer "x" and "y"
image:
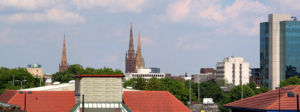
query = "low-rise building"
{"x": 203, "y": 77}
{"x": 208, "y": 70}
{"x": 255, "y": 73}
{"x": 40, "y": 101}
{"x": 284, "y": 100}
{"x": 35, "y": 70}
{"x": 153, "y": 101}
{"x": 144, "y": 73}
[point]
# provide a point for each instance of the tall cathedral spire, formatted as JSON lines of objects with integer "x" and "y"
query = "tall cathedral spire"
{"x": 139, "y": 59}
{"x": 130, "y": 59}
{"x": 63, "y": 65}
{"x": 131, "y": 40}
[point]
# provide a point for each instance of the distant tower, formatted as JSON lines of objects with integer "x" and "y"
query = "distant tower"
{"x": 140, "y": 64}
{"x": 63, "y": 65}
{"x": 129, "y": 58}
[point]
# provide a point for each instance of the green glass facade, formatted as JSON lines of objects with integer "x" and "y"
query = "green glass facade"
{"x": 289, "y": 50}
{"x": 264, "y": 53}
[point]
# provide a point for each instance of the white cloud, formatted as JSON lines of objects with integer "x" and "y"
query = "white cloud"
{"x": 114, "y": 6}
{"x": 51, "y": 15}
{"x": 178, "y": 10}
{"x": 147, "y": 41}
{"x": 26, "y": 4}
{"x": 237, "y": 17}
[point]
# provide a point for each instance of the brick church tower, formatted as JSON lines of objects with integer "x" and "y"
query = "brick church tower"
{"x": 63, "y": 65}
{"x": 140, "y": 64}
{"x": 130, "y": 58}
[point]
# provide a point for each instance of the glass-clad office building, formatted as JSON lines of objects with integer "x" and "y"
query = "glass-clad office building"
{"x": 264, "y": 53}
{"x": 289, "y": 50}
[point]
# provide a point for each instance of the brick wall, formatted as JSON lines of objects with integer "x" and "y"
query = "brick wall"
{"x": 104, "y": 89}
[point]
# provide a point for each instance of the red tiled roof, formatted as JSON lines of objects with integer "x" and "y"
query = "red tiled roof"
{"x": 7, "y": 95}
{"x": 270, "y": 100}
{"x": 153, "y": 101}
{"x": 101, "y": 75}
{"x": 42, "y": 101}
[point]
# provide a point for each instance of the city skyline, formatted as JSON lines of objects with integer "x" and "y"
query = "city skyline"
{"x": 177, "y": 36}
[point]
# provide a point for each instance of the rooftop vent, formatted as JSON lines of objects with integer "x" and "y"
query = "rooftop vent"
{"x": 291, "y": 94}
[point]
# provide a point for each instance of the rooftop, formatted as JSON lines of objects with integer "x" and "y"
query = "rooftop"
{"x": 40, "y": 101}
{"x": 153, "y": 101}
{"x": 269, "y": 100}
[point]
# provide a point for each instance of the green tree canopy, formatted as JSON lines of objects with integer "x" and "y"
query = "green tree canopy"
{"x": 67, "y": 75}
{"x": 235, "y": 93}
{"x": 290, "y": 81}
{"x": 18, "y": 74}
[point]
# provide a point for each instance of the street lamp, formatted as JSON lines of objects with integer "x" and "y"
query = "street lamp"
{"x": 21, "y": 83}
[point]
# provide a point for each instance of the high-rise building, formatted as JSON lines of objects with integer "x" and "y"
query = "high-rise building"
{"x": 35, "y": 70}
{"x": 233, "y": 70}
{"x": 279, "y": 49}
{"x": 64, "y": 64}
{"x": 140, "y": 64}
{"x": 130, "y": 61}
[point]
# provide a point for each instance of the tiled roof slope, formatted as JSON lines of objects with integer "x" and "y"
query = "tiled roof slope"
{"x": 270, "y": 100}
{"x": 153, "y": 101}
{"x": 42, "y": 101}
{"x": 7, "y": 95}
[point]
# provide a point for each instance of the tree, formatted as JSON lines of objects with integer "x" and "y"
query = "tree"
{"x": 140, "y": 84}
{"x": 18, "y": 74}
{"x": 290, "y": 81}
{"x": 67, "y": 75}
{"x": 211, "y": 90}
{"x": 235, "y": 93}
{"x": 261, "y": 89}
{"x": 154, "y": 84}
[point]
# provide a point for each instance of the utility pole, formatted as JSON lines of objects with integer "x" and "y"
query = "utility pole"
{"x": 13, "y": 79}
{"x": 190, "y": 94}
{"x": 199, "y": 90}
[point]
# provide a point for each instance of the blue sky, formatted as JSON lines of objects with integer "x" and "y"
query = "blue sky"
{"x": 177, "y": 35}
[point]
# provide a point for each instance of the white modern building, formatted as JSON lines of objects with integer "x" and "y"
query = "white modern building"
{"x": 233, "y": 70}
{"x": 144, "y": 73}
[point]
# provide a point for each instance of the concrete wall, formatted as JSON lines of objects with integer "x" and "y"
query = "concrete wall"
{"x": 274, "y": 52}
{"x": 104, "y": 89}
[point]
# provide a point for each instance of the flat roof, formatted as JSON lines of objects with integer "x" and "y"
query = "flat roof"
{"x": 101, "y": 75}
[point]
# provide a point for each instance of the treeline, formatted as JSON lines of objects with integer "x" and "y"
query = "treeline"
{"x": 176, "y": 87}
{"x": 209, "y": 89}
{"x": 68, "y": 74}
{"x": 11, "y": 79}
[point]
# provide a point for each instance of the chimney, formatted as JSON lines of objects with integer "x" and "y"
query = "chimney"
{"x": 77, "y": 88}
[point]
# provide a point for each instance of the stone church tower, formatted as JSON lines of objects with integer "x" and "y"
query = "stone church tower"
{"x": 63, "y": 65}
{"x": 140, "y": 64}
{"x": 130, "y": 61}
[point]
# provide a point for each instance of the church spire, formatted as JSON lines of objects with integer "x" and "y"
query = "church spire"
{"x": 131, "y": 39}
{"x": 130, "y": 59}
{"x": 139, "y": 59}
{"x": 63, "y": 65}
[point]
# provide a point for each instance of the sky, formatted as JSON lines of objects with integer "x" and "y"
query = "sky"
{"x": 177, "y": 36}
